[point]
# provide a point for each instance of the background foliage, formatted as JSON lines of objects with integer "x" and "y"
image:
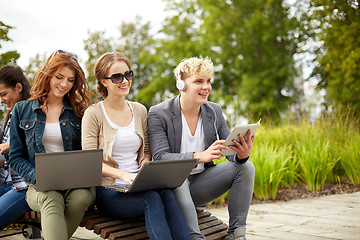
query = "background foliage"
{"x": 258, "y": 49}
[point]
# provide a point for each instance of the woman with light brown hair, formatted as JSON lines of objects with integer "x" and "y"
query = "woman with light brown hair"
{"x": 50, "y": 121}
{"x": 119, "y": 127}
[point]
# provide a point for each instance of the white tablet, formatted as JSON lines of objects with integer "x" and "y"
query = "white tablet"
{"x": 239, "y": 129}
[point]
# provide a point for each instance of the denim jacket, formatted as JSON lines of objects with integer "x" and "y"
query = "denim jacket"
{"x": 26, "y": 133}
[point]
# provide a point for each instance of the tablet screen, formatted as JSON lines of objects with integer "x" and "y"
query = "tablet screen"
{"x": 239, "y": 129}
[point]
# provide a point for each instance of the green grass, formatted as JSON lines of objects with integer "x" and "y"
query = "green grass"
{"x": 350, "y": 158}
{"x": 309, "y": 153}
{"x": 271, "y": 169}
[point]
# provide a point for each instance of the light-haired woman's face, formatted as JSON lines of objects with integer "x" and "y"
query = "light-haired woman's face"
{"x": 62, "y": 82}
{"x": 9, "y": 96}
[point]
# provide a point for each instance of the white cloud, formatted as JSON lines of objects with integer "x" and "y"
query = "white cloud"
{"x": 44, "y": 25}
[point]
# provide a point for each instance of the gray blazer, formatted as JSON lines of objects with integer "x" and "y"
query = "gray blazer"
{"x": 165, "y": 129}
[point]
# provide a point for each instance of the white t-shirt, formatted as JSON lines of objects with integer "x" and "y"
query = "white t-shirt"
{"x": 190, "y": 143}
{"x": 52, "y": 139}
{"x": 126, "y": 145}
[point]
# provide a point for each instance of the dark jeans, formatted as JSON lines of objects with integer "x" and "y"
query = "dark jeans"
{"x": 163, "y": 217}
{"x": 12, "y": 204}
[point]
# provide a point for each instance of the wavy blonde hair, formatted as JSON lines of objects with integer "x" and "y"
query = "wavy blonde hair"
{"x": 194, "y": 66}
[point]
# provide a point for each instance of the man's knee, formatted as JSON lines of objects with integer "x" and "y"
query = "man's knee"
{"x": 249, "y": 169}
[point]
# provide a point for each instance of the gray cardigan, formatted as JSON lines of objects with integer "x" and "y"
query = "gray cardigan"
{"x": 165, "y": 129}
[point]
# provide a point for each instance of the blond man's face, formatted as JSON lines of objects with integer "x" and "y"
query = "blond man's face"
{"x": 197, "y": 89}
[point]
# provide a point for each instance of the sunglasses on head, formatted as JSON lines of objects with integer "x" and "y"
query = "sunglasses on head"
{"x": 73, "y": 55}
{"x": 117, "y": 78}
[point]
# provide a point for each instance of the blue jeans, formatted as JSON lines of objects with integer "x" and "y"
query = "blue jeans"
{"x": 163, "y": 217}
{"x": 12, "y": 204}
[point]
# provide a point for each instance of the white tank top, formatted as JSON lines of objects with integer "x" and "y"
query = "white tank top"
{"x": 52, "y": 139}
{"x": 126, "y": 145}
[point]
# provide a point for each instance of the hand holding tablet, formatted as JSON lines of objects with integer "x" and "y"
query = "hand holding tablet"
{"x": 239, "y": 129}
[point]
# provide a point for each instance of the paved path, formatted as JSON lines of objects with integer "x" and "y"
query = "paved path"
{"x": 329, "y": 217}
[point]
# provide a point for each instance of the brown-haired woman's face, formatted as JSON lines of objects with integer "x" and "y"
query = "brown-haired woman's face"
{"x": 117, "y": 89}
{"x": 62, "y": 82}
{"x": 9, "y": 95}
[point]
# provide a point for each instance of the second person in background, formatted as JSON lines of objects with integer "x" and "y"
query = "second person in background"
{"x": 14, "y": 87}
{"x": 119, "y": 127}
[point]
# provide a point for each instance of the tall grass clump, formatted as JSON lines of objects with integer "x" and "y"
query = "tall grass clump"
{"x": 341, "y": 129}
{"x": 315, "y": 162}
{"x": 271, "y": 168}
{"x": 350, "y": 159}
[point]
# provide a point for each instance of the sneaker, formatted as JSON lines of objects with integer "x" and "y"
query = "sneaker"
{"x": 238, "y": 234}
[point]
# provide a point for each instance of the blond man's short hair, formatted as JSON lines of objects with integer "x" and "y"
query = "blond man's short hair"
{"x": 194, "y": 66}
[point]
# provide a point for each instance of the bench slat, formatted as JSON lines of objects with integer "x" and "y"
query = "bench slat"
{"x": 105, "y": 233}
{"x": 126, "y": 233}
{"x": 90, "y": 224}
{"x": 100, "y": 226}
{"x": 215, "y": 229}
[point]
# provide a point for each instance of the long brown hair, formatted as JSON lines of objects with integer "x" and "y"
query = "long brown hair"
{"x": 78, "y": 95}
{"x": 10, "y": 76}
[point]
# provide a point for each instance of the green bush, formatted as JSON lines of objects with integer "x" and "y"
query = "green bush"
{"x": 309, "y": 153}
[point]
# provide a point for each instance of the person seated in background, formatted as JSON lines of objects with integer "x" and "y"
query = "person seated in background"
{"x": 119, "y": 127}
{"x": 189, "y": 126}
{"x": 50, "y": 121}
{"x": 14, "y": 87}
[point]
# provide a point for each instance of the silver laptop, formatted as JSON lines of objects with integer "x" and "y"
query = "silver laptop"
{"x": 67, "y": 170}
{"x": 153, "y": 175}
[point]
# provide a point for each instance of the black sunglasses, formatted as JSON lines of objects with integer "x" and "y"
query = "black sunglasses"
{"x": 74, "y": 56}
{"x": 117, "y": 78}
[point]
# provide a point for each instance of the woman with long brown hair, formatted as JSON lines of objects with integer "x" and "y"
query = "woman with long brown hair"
{"x": 119, "y": 127}
{"x": 14, "y": 87}
{"x": 50, "y": 121}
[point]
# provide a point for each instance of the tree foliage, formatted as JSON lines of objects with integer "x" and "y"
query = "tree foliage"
{"x": 9, "y": 56}
{"x": 255, "y": 43}
{"x": 179, "y": 38}
{"x": 339, "y": 57}
{"x": 134, "y": 40}
{"x": 252, "y": 44}
{"x": 95, "y": 45}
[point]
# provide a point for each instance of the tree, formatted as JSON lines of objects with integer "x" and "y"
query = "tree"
{"x": 339, "y": 56}
{"x": 254, "y": 44}
{"x": 137, "y": 44}
{"x": 35, "y": 63}
{"x": 179, "y": 38}
{"x": 9, "y": 56}
{"x": 95, "y": 45}
{"x": 134, "y": 39}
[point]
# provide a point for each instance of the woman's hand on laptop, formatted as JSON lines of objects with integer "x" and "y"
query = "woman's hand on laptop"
{"x": 127, "y": 177}
{"x": 212, "y": 153}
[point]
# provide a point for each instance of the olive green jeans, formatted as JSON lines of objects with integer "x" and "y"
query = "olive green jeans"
{"x": 61, "y": 211}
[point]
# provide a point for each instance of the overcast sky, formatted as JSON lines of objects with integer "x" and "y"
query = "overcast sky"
{"x": 46, "y": 25}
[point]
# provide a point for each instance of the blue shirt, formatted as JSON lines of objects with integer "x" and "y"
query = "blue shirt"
{"x": 26, "y": 133}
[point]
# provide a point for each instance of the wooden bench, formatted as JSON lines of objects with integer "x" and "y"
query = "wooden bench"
{"x": 131, "y": 228}
{"x": 30, "y": 226}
